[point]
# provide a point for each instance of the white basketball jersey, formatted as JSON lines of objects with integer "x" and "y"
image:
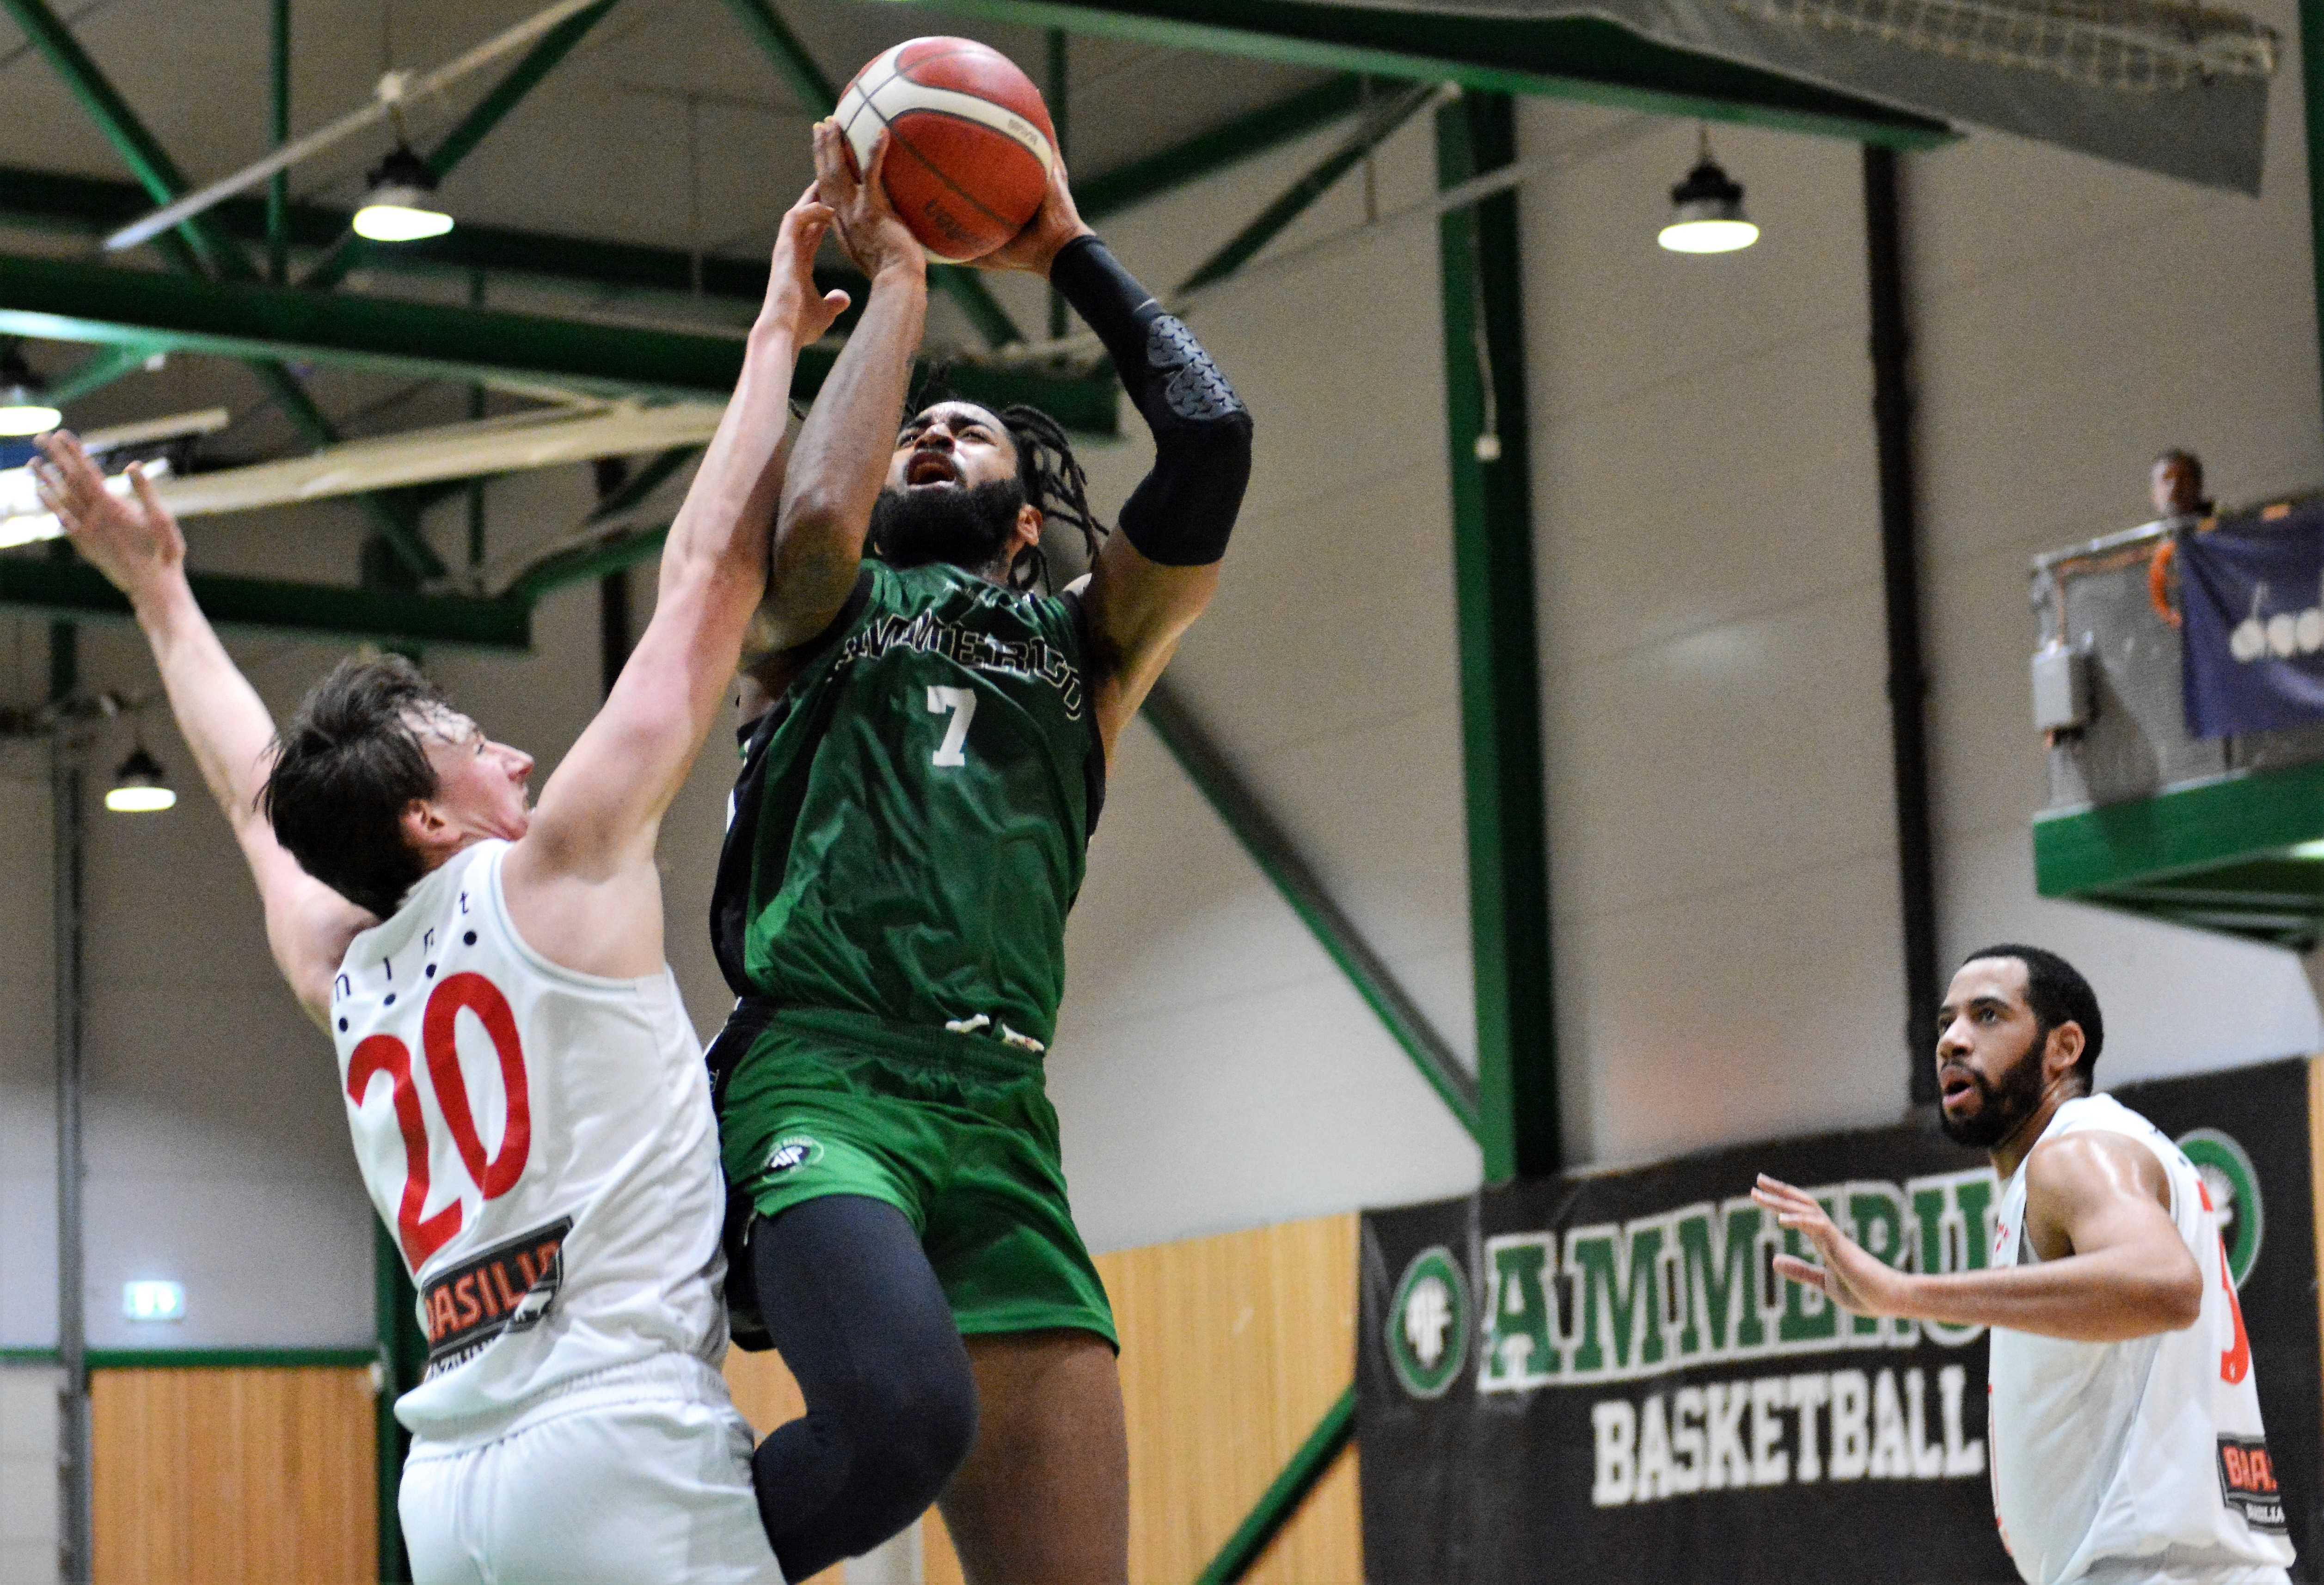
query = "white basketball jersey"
{"x": 2143, "y": 1460}
{"x": 541, "y": 1141}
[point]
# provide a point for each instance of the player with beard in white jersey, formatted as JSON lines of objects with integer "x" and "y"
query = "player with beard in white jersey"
{"x": 2124, "y": 1426}
{"x": 529, "y": 1103}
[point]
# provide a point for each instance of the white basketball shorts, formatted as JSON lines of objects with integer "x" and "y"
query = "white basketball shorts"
{"x": 647, "y": 1480}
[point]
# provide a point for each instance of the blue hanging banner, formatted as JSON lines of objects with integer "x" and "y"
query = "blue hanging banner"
{"x": 2253, "y": 597}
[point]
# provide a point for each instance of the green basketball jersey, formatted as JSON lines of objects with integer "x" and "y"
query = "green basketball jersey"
{"x": 913, "y": 815}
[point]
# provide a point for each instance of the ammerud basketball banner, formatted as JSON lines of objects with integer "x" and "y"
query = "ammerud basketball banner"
{"x": 1597, "y": 1377}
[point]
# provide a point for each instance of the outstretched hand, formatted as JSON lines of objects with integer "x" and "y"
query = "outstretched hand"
{"x": 794, "y": 307}
{"x": 869, "y": 228}
{"x": 1053, "y": 225}
{"x": 132, "y": 540}
{"x": 1850, "y": 1277}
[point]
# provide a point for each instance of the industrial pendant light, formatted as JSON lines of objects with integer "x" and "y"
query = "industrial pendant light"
{"x": 24, "y": 407}
{"x": 399, "y": 207}
{"x": 1707, "y": 210}
{"x": 139, "y": 787}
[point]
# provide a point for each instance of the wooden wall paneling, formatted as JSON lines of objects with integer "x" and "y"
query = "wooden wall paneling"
{"x": 1232, "y": 1349}
{"x": 237, "y": 1476}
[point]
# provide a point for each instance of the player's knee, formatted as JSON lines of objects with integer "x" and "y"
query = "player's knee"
{"x": 917, "y": 1423}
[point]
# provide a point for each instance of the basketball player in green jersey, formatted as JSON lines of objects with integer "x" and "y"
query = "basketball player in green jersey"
{"x": 925, "y": 761}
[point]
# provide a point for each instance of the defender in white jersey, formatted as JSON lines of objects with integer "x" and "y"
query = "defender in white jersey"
{"x": 530, "y": 1107}
{"x": 2125, "y": 1428}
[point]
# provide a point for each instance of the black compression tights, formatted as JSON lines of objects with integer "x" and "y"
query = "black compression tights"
{"x": 854, "y": 1309}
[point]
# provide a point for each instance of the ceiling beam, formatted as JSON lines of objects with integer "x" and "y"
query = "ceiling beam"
{"x": 1379, "y": 123}
{"x": 195, "y": 244}
{"x": 64, "y": 300}
{"x": 1246, "y": 137}
{"x": 1577, "y": 58}
{"x": 348, "y": 250}
{"x": 75, "y": 589}
{"x": 817, "y": 97}
{"x": 87, "y": 205}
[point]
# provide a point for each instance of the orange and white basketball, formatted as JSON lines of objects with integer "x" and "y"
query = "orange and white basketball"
{"x": 971, "y": 141}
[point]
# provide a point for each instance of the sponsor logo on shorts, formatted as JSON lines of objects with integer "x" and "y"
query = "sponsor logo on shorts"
{"x": 508, "y": 1289}
{"x": 2247, "y": 1482}
{"x": 1429, "y": 1323}
{"x": 791, "y": 1152}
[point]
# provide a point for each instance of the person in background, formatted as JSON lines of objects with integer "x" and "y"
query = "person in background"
{"x": 2175, "y": 485}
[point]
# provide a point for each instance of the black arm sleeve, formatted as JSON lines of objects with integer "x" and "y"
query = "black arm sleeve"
{"x": 1181, "y": 513}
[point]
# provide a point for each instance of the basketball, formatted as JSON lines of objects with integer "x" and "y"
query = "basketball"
{"x": 972, "y": 146}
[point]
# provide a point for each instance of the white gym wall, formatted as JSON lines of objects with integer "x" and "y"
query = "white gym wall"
{"x": 1726, "y": 935}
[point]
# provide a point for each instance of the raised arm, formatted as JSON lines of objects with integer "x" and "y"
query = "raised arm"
{"x": 1154, "y": 577}
{"x": 136, "y": 543}
{"x": 581, "y": 882}
{"x": 842, "y": 455}
{"x": 2113, "y": 1264}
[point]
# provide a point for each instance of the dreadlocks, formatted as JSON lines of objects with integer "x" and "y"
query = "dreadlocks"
{"x": 1054, "y": 486}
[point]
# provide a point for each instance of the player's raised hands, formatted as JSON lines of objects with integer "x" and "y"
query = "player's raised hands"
{"x": 794, "y": 307}
{"x": 866, "y": 221}
{"x": 1850, "y": 1277}
{"x": 1057, "y": 223}
{"x": 131, "y": 539}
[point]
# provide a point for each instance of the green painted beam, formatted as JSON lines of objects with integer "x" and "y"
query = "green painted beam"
{"x": 72, "y": 588}
{"x": 83, "y": 206}
{"x": 585, "y": 563}
{"x": 2233, "y": 819}
{"x": 644, "y": 481}
{"x": 1300, "y": 1476}
{"x": 458, "y": 145}
{"x": 818, "y": 96}
{"x": 196, "y": 242}
{"x": 1246, "y": 137}
{"x": 139, "y": 150}
{"x": 98, "y": 370}
{"x": 1270, "y": 847}
{"x": 1377, "y": 126}
{"x": 401, "y": 1354}
{"x": 1582, "y": 59}
{"x": 67, "y": 300}
{"x": 1501, "y": 687}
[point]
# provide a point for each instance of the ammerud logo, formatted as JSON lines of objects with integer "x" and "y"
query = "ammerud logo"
{"x": 1696, "y": 1286}
{"x": 2233, "y": 1183}
{"x": 1429, "y": 1323}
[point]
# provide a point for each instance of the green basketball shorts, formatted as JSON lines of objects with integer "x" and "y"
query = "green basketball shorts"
{"x": 955, "y": 1131}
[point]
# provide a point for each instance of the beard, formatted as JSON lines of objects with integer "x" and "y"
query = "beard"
{"x": 2000, "y": 1107}
{"x": 964, "y": 526}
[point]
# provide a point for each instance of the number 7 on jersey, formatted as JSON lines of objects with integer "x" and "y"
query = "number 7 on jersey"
{"x": 962, "y": 703}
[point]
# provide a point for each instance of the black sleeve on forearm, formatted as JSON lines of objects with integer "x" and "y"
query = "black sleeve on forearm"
{"x": 1181, "y": 513}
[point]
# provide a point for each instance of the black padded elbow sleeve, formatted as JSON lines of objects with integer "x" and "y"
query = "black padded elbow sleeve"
{"x": 1182, "y": 513}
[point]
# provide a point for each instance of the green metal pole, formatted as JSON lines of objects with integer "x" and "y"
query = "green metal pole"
{"x": 1500, "y": 689}
{"x": 1368, "y": 136}
{"x": 1246, "y": 137}
{"x": 402, "y": 1357}
{"x": 1271, "y": 849}
{"x": 278, "y": 188}
{"x": 1276, "y": 1509}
